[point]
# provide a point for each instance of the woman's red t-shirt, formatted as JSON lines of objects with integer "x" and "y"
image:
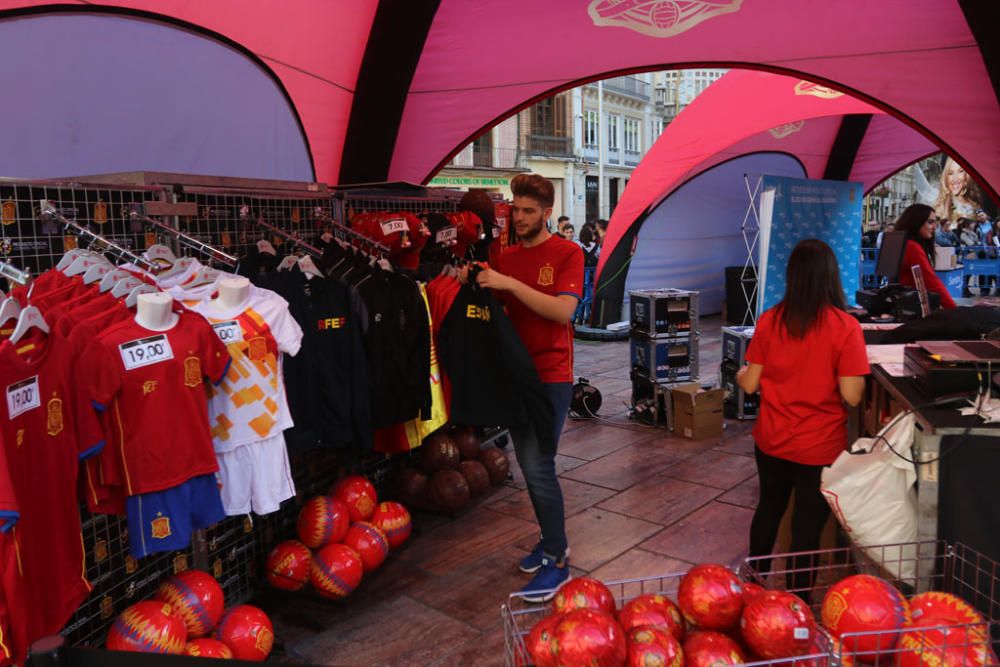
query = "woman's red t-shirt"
{"x": 802, "y": 416}
{"x": 914, "y": 255}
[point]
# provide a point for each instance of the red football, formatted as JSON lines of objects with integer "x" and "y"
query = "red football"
{"x": 945, "y": 607}
{"x": 148, "y": 627}
{"x": 358, "y": 494}
{"x": 863, "y": 603}
{"x": 288, "y": 566}
{"x": 208, "y": 648}
{"x": 336, "y": 571}
{"x": 393, "y": 519}
{"x": 323, "y": 520}
{"x": 196, "y": 597}
{"x": 711, "y": 649}
{"x": 777, "y": 624}
{"x": 369, "y": 542}
{"x": 652, "y": 646}
{"x": 583, "y": 593}
{"x": 711, "y": 597}
{"x": 654, "y": 610}
{"x": 923, "y": 645}
{"x": 248, "y": 633}
{"x": 539, "y": 641}
{"x": 750, "y": 591}
{"x": 589, "y": 637}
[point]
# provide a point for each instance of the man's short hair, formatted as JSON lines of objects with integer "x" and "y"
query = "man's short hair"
{"x": 537, "y": 187}
{"x": 602, "y": 224}
{"x": 563, "y": 218}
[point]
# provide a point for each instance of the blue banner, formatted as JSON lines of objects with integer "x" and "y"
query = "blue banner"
{"x": 807, "y": 209}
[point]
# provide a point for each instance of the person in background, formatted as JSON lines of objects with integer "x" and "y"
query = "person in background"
{"x": 807, "y": 359}
{"x": 945, "y": 235}
{"x": 919, "y": 221}
{"x": 887, "y": 228}
{"x": 589, "y": 245}
{"x": 564, "y": 226}
{"x": 601, "y": 225}
{"x": 969, "y": 233}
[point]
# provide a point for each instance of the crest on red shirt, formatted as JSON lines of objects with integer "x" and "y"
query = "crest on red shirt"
{"x": 159, "y": 528}
{"x": 192, "y": 372}
{"x": 258, "y": 348}
{"x": 54, "y": 423}
{"x": 546, "y": 275}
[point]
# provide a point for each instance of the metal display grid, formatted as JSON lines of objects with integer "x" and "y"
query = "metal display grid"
{"x": 415, "y": 200}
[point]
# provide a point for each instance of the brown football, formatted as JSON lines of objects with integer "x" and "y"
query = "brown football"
{"x": 496, "y": 464}
{"x": 448, "y": 490}
{"x": 410, "y": 485}
{"x": 468, "y": 442}
{"x": 476, "y": 475}
{"x": 438, "y": 452}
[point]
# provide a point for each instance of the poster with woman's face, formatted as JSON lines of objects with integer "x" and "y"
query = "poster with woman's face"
{"x": 946, "y": 186}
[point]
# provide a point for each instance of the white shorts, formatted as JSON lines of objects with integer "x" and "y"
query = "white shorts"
{"x": 255, "y": 476}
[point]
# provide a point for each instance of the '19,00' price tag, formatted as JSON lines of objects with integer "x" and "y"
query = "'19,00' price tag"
{"x": 145, "y": 351}
{"x": 22, "y": 396}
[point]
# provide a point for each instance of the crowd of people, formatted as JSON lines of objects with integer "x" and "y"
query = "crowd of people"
{"x": 590, "y": 238}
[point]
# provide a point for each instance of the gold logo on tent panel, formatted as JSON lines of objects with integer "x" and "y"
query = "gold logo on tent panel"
{"x": 658, "y": 18}
{"x": 816, "y": 90}
{"x": 783, "y": 131}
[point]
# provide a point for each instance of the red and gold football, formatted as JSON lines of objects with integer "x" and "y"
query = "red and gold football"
{"x": 589, "y": 637}
{"x": 653, "y": 610}
{"x": 777, "y": 624}
{"x": 711, "y": 649}
{"x": 148, "y": 627}
{"x": 652, "y": 646}
{"x": 336, "y": 571}
{"x": 369, "y": 542}
{"x": 196, "y": 597}
{"x": 539, "y": 641}
{"x": 393, "y": 519}
{"x": 323, "y": 520}
{"x": 583, "y": 593}
{"x": 947, "y": 608}
{"x": 358, "y": 494}
{"x": 924, "y": 645}
{"x": 711, "y": 597}
{"x": 863, "y": 603}
{"x": 208, "y": 648}
{"x": 750, "y": 591}
{"x": 288, "y": 566}
{"x": 248, "y": 633}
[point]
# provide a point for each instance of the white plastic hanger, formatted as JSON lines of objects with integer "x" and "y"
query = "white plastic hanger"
{"x": 287, "y": 263}
{"x": 111, "y": 279}
{"x": 205, "y": 276}
{"x": 160, "y": 254}
{"x": 9, "y": 310}
{"x": 30, "y": 318}
{"x": 84, "y": 262}
{"x": 308, "y": 267}
{"x": 125, "y": 286}
{"x": 133, "y": 296}
{"x": 266, "y": 247}
{"x": 96, "y": 273}
{"x": 180, "y": 266}
{"x": 68, "y": 258}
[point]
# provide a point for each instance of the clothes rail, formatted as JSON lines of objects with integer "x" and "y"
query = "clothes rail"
{"x": 13, "y": 274}
{"x": 340, "y": 227}
{"x": 103, "y": 245}
{"x": 309, "y": 248}
{"x": 137, "y": 213}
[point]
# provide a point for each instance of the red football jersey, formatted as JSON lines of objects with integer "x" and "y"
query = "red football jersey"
{"x": 157, "y": 379}
{"x": 42, "y": 442}
{"x": 553, "y": 267}
{"x": 802, "y": 417}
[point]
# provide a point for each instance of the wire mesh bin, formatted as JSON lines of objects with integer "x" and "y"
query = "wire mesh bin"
{"x": 519, "y": 616}
{"x": 912, "y": 567}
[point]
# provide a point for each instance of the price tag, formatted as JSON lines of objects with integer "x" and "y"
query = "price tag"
{"x": 446, "y": 235}
{"x": 394, "y": 226}
{"x": 229, "y": 332}
{"x": 145, "y": 351}
{"x": 22, "y": 397}
{"x": 800, "y": 633}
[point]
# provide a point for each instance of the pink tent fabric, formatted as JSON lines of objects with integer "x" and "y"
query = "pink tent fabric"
{"x": 480, "y": 61}
{"x": 780, "y": 113}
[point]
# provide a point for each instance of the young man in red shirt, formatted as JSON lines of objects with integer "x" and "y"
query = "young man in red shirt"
{"x": 540, "y": 280}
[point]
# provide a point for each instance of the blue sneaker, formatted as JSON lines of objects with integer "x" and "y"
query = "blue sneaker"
{"x": 543, "y": 586}
{"x": 533, "y": 561}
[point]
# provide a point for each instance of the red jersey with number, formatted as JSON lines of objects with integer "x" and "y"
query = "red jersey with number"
{"x": 802, "y": 416}
{"x": 11, "y": 591}
{"x": 553, "y": 267}
{"x": 44, "y": 438}
{"x": 153, "y": 384}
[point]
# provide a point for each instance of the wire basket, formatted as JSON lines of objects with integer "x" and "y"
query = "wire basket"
{"x": 519, "y": 616}
{"x": 912, "y": 567}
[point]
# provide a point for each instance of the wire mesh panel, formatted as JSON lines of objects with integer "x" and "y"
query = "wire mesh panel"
{"x": 519, "y": 616}
{"x": 415, "y": 200}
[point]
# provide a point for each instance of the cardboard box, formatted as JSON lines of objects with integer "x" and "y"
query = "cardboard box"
{"x": 944, "y": 258}
{"x": 697, "y": 412}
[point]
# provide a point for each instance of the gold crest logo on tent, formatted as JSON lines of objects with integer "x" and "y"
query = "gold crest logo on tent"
{"x": 783, "y": 131}
{"x": 816, "y": 90}
{"x": 658, "y": 18}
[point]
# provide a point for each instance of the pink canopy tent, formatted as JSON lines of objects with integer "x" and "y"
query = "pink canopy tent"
{"x": 390, "y": 90}
{"x": 779, "y": 114}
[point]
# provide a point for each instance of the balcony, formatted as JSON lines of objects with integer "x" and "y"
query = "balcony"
{"x": 630, "y": 86}
{"x": 538, "y": 144}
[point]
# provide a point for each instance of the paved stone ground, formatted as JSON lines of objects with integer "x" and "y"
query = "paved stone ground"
{"x": 640, "y": 502}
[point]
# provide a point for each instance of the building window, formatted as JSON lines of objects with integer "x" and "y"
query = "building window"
{"x": 612, "y": 132}
{"x": 549, "y": 117}
{"x": 657, "y": 128}
{"x": 590, "y": 129}
{"x": 631, "y": 135}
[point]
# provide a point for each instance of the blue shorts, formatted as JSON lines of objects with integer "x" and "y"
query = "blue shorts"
{"x": 164, "y": 520}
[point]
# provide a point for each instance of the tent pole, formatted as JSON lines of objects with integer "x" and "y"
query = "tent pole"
{"x": 600, "y": 151}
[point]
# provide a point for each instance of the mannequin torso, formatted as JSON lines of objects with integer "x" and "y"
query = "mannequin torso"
{"x": 154, "y": 311}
